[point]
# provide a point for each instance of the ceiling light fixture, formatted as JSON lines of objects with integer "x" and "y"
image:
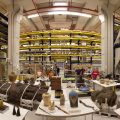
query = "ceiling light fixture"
{"x": 60, "y": 4}
{"x": 102, "y": 18}
{"x": 59, "y": 9}
{"x": 69, "y": 13}
{"x": 62, "y": 13}
{"x": 33, "y": 15}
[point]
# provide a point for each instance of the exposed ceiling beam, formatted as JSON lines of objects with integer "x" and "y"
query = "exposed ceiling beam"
{"x": 97, "y": 26}
{"x": 87, "y": 22}
{"x": 31, "y": 22}
{"x": 74, "y": 26}
{"x": 26, "y": 29}
{"x": 92, "y": 11}
{"x": 91, "y": 22}
{"x": 41, "y": 19}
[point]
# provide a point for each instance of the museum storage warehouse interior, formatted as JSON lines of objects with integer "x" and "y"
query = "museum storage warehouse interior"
{"x": 59, "y": 59}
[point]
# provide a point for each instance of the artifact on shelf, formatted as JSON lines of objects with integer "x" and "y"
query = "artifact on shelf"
{"x": 100, "y": 96}
{"x": 58, "y": 93}
{"x": 73, "y": 97}
{"x": 46, "y": 98}
{"x": 51, "y": 106}
{"x": 12, "y": 77}
{"x": 62, "y": 100}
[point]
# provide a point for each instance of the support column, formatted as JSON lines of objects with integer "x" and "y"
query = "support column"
{"x": 13, "y": 38}
{"x": 107, "y": 39}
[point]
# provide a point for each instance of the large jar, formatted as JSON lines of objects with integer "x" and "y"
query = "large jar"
{"x": 73, "y": 97}
{"x": 46, "y": 99}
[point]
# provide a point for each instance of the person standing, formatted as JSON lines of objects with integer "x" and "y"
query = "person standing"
{"x": 58, "y": 71}
{"x": 95, "y": 73}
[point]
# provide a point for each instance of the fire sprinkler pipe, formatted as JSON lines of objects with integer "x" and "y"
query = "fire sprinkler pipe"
{"x": 45, "y": 11}
{"x": 69, "y": 6}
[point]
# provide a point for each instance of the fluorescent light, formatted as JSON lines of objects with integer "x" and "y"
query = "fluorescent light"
{"x": 60, "y": 4}
{"x": 69, "y": 13}
{"x": 33, "y": 15}
{"x": 102, "y": 18}
{"x": 63, "y": 13}
{"x": 59, "y": 8}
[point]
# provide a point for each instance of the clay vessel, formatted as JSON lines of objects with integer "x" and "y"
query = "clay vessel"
{"x": 62, "y": 100}
{"x": 73, "y": 97}
{"x": 46, "y": 98}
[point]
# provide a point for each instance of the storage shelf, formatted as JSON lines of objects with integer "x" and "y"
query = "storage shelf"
{"x": 61, "y": 47}
{"x": 60, "y": 44}
{"x": 61, "y": 55}
{"x": 62, "y": 32}
{"x": 60, "y": 39}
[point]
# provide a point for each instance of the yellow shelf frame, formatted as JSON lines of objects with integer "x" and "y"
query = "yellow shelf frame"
{"x": 76, "y": 35}
{"x": 62, "y": 32}
{"x": 58, "y": 55}
{"x": 60, "y": 39}
{"x": 61, "y": 47}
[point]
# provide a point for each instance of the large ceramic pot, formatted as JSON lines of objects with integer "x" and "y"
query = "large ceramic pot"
{"x": 12, "y": 77}
{"x": 73, "y": 97}
{"x": 46, "y": 98}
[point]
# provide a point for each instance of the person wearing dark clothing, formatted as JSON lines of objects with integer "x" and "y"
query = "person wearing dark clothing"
{"x": 58, "y": 71}
{"x": 80, "y": 71}
{"x": 79, "y": 77}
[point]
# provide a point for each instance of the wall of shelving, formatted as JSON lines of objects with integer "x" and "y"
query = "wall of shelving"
{"x": 3, "y": 46}
{"x": 71, "y": 46}
{"x": 116, "y": 47}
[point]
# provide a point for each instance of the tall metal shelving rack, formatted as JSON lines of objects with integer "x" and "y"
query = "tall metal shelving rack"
{"x": 61, "y": 44}
{"x": 116, "y": 30}
{"x": 3, "y": 45}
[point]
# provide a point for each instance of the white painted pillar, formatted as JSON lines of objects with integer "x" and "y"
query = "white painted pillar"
{"x": 14, "y": 18}
{"x": 107, "y": 39}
